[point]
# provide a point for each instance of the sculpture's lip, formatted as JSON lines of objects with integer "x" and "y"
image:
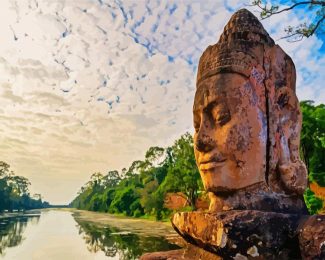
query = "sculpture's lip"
{"x": 210, "y": 164}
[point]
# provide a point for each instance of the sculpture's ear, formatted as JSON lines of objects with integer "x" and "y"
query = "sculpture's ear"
{"x": 293, "y": 172}
{"x": 287, "y": 173}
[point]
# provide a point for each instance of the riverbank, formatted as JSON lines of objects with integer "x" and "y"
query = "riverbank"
{"x": 33, "y": 212}
{"x": 136, "y": 225}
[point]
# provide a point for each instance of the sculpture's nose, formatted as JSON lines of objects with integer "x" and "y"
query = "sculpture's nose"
{"x": 204, "y": 142}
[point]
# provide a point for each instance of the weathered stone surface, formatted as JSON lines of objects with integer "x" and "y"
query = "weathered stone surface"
{"x": 312, "y": 238}
{"x": 248, "y": 233}
{"x": 287, "y": 173}
{"x": 247, "y": 121}
{"x": 257, "y": 197}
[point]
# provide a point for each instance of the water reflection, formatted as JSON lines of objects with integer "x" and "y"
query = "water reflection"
{"x": 114, "y": 242}
{"x": 58, "y": 234}
{"x": 12, "y": 230}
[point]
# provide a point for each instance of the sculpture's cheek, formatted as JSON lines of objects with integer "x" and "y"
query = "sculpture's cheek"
{"x": 238, "y": 139}
{"x": 245, "y": 145}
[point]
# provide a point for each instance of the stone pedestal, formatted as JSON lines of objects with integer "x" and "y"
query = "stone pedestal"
{"x": 241, "y": 233}
{"x": 252, "y": 234}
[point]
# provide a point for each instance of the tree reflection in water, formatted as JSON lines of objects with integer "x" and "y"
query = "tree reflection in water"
{"x": 114, "y": 242}
{"x": 12, "y": 229}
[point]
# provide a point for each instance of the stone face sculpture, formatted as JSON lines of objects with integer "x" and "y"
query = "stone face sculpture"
{"x": 247, "y": 121}
{"x": 247, "y": 130}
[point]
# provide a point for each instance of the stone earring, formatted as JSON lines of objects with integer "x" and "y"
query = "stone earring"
{"x": 293, "y": 172}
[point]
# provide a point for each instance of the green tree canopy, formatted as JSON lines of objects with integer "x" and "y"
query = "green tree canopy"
{"x": 14, "y": 191}
{"x": 312, "y": 149}
{"x": 312, "y": 137}
{"x": 183, "y": 174}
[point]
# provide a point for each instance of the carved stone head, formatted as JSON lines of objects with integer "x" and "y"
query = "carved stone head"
{"x": 247, "y": 119}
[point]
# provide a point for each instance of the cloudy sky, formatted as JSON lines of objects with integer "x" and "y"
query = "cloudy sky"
{"x": 90, "y": 85}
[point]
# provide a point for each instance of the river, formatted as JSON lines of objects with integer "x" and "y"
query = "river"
{"x": 71, "y": 234}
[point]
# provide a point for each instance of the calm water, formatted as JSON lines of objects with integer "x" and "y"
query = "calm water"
{"x": 57, "y": 235}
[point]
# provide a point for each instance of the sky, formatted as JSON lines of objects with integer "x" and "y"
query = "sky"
{"x": 88, "y": 86}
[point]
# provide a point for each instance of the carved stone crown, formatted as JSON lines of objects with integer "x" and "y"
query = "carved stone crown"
{"x": 238, "y": 48}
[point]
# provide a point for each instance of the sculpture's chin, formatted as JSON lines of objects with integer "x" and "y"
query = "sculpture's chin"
{"x": 220, "y": 190}
{"x": 216, "y": 185}
{"x": 214, "y": 181}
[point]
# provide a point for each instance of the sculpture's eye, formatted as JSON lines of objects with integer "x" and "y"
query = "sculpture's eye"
{"x": 221, "y": 115}
{"x": 223, "y": 118}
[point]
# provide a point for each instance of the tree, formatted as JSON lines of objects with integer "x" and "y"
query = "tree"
{"x": 316, "y": 10}
{"x": 96, "y": 179}
{"x": 312, "y": 149}
{"x": 4, "y": 169}
{"x": 148, "y": 201}
{"x": 111, "y": 179}
{"x": 14, "y": 191}
{"x": 312, "y": 146}
{"x": 135, "y": 167}
{"x": 183, "y": 174}
{"x": 154, "y": 155}
{"x": 313, "y": 203}
{"x": 20, "y": 185}
{"x": 37, "y": 196}
{"x": 126, "y": 201}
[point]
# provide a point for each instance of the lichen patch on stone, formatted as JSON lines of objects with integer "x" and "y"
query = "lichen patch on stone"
{"x": 253, "y": 251}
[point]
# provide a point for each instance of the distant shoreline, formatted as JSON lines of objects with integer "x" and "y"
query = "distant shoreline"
{"x": 31, "y": 213}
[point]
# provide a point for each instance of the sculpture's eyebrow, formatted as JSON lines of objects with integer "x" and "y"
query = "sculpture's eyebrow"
{"x": 211, "y": 103}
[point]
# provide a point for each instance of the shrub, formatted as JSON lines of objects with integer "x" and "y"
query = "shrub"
{"x": 313, "y": 203}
